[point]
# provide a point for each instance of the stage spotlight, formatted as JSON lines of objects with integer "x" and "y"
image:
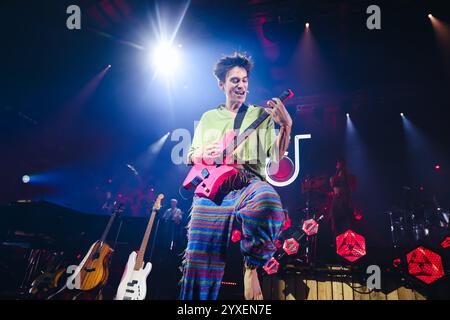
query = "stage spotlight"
{"x": 109, "y": 66}
{"x": 307, "y": 25}
{"x": 310, "y": 227}
{"x": 430, "y": 15}
{"x": 156, "y": 147}
{"x": 165, "y": 58}
{"x": 357, "y": 214}
{"x": 26, "y": 179}
{"x": 291, "y": 246}
{"x": 396, "y": 263}
{"x": 437, "y": 167}
{"x": 401, "y": 114}
{"x": 348, "y": 115}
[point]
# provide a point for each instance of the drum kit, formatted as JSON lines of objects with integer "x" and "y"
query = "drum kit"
{"x": 316, "y": 190}
{"x": 417, "y": 221}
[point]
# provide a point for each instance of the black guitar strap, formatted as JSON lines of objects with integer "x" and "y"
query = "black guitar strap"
{"x": 238, "y": 121}
{"x": 239, "y": 118}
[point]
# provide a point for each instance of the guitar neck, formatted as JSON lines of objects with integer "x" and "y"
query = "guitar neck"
{"x": 108, "y": 227}
{"x": 287, "y": 94}
{"x": 141, "y": 253}
{"x": 244, "y": 135}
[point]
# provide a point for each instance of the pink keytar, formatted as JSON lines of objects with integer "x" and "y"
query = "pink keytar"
{"x": 350, "y": 245}
{"x": 310, "y": 227}
{"x": 291, "y": 246}
{"x": 271, "y": 266}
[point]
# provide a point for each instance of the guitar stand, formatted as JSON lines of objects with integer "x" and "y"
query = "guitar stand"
{"x": 154, "y": 238}
{"x": 57, "y": 292}
{"x": 100, "y": 290}
{"x": 119, "y": 228}
{"x": 34, "y": 257}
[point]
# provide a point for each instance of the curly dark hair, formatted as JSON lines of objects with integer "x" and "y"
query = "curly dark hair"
{"x": 226, "y": 63}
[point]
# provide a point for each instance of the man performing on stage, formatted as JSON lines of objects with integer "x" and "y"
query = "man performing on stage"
{"x": 245, "y": 197}
{"x": 173, "y": 214}
{"x": 171, "y": 226}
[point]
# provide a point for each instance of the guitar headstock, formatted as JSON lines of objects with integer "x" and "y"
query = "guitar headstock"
{"x": 119, "y": 207}
{"x": 157, "y": 205}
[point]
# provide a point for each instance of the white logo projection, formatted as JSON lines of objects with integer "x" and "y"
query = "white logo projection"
{"x": 272, "y": 167}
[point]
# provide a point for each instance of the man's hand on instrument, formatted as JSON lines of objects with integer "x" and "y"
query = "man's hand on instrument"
{"x": 279, "y": 113}
{"x": 207, "y": 153}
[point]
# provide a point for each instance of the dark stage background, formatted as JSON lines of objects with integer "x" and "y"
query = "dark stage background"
{"x": 73, "y": 125}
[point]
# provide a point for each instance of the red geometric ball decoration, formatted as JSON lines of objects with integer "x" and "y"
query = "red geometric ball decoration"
{"x": 271, "y": 266}
{"x": 291, "y": 246}
{"x": 446, "y": 243}
{"x": 236, "y": 236}
{"x": 425, "y": 265}
{"x": 310, "y": 227}
{"x": 350, "y": 245}
{"x": 277, "y": 244}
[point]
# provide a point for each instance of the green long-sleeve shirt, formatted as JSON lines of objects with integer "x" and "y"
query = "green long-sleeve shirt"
{"x": 260, "y": 145}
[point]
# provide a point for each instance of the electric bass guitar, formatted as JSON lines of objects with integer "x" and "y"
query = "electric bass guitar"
{"x": 93, "y": 270}
{"x": 133, "y": 285}
{"x": 207, "y": 178}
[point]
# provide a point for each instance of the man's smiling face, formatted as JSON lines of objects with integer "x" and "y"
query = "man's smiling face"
{"x": 235, "y": 86}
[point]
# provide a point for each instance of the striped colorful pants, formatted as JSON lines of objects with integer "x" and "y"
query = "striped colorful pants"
{"x": 257, "y": 207}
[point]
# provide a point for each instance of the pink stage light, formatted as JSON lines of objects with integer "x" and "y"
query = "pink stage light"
{"x": 271, "y": 266}
{"x": 291, "y": 246}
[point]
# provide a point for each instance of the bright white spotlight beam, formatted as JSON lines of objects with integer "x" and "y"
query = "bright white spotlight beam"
{"x": 166, "y": 58}
{"x": 155, "y": 147}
